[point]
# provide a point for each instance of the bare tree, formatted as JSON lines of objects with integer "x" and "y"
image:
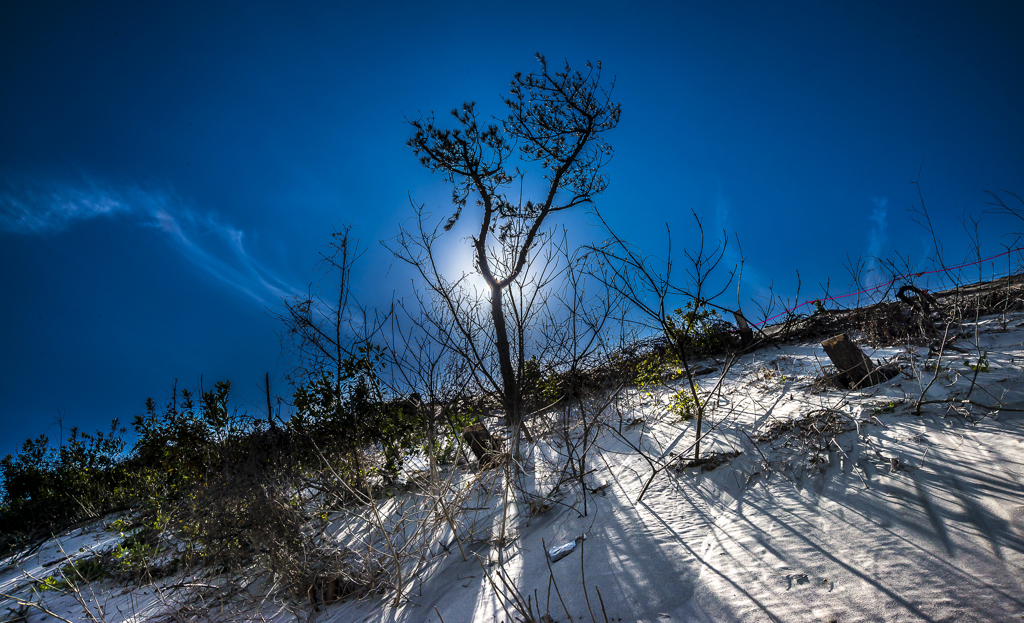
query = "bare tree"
{"x": 556, "y": 119}
{"x": 455, "y": 314}
{"x": 652, "y": 289}
{"x": 316, "y": 331}
{"x": 333, "y": 361}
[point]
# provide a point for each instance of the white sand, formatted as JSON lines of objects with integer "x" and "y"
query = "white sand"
{"x": 921, "y": 518}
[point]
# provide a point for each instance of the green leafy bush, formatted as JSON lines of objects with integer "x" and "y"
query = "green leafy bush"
{"x": 649, "y": 372}
{"x": 137, "y": 554}
{"x": 700, "y": 330}
{"x": 228, "y": 490}
{"x": 693, "y": 331}
{"x": 450, "y": 443}
{"x": 175, "y": 448}
{"x": 542, "y": 388}
{"x": 682, "y": 405}
{"x": 73, "y": 574}
{"x": 47, "y": 487}
{"x": 982, "y": 365}
{"x": 355, "y": 425}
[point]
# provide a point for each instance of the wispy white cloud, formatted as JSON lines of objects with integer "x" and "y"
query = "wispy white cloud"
{"x": 28, "y": 208}
{"x": 879, "y": 223}
{"x": 214, "y": 247}
{"x": 876, "y": 239}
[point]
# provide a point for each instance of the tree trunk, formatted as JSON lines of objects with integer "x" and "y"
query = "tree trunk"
{"x": 853, "y": 365}
{"x": 482, "y": 444}
{"x": 513, "y": 416}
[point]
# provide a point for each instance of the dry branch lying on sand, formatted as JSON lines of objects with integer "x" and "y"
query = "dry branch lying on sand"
{"x": 887, "y": 323}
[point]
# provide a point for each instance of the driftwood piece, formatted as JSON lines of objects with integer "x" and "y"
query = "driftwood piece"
{"x": 923, "y": 301}
{"x": 854, "y": 366}
{"x": 483, "y": 445}
{"x": 923, "y": 304}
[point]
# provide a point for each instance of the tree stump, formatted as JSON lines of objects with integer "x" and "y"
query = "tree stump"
{"x": 746, "y": 333}
{"x": 483, "y": 445}
{"x": 853, "y": 365}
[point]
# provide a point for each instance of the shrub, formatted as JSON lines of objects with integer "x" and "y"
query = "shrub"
{"x": 175, "y": 449}
{"x": 683, "y": 405}
{"x": 982, "y": 365}
{"x": 540, "y": 389}
{"x": 355, "y": 426}
{"x": 648, "y": 372}
{"x": 138, "y": 552}
{"x": 449, "y": 440}
{"x": 230, "y": 492}
{"x": 70, "y": 575}
{"x": 699, "y": 330}
{"x": 46, "y": 488}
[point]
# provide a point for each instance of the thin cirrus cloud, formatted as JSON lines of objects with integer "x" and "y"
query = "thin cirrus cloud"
{"x": 875, "y": 241}
{"x": 215, "y": 248}
{"x": 879, "y": 223}
{"x": 28, "y": 208}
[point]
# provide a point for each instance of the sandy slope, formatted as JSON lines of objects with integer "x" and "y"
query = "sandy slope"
{"x": 914, "y": 518}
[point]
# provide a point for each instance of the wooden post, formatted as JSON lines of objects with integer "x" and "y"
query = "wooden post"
{"x": 854, "y": 366}
{"x": 270, "y": 409}
{"x": 482, "y": 444}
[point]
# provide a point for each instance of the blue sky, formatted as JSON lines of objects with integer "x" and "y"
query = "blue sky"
{"x": 168, "y": 173}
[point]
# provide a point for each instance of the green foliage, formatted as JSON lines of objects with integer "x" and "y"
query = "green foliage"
{"x": 140, "y": 547}
{"x": 135, "y": 554}
{"x": 215, "y": 406}
{"x": 246, "y": 511}
{"x": 699, "y": 330}
{"x": 888, "y": 407}
{"x": 648, "y": 373}
{"x": 530, "y": 381}
{"x": 46, "y": 487}
{"x": 694, "y": 330}
{"x": 176, "y": 448}
{"x": 450, "y": 440}
{"x": 73, "y": 574}
{"x": 192, "y": 464}
{"x": 682, "y": 405}
{"x": 350, "y": 416}
{"x": 649, "y": 377}
{"x": 539, "y": 388}
{"x": 982, "y": 365}
{"x": 220, "y": 485}
{"x": 216, "y": 480}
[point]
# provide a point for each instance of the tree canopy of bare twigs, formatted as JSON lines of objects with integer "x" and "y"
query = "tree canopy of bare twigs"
{"x": 556, "y": 122}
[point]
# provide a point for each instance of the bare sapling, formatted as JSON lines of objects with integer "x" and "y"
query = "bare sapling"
{"x": 651, "y": 290}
